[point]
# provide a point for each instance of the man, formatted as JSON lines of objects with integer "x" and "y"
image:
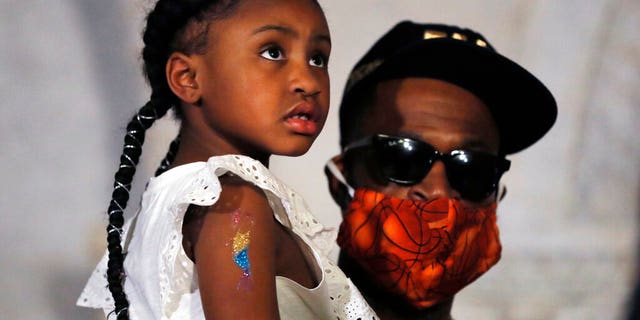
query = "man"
{"x": 427, "y": 118}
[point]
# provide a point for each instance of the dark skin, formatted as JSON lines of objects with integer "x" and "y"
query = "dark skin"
{"x": 203, "y": 229}
{"x": 263, "y": 64}
{"x": 442, "y": 114}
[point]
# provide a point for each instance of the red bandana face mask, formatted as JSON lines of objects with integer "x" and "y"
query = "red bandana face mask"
{"x": 423, "y": 251}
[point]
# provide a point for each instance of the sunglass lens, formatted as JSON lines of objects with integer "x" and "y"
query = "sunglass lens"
{"x": 474, "y": 176}
{"x": 402, "y": 161}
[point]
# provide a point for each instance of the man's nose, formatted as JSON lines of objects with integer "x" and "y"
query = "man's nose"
{"x": 433, "y": 186}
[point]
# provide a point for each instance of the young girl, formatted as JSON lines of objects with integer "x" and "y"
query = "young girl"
{"x": 218, "y": 236}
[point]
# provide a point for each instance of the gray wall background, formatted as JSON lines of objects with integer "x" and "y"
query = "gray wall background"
{"x": 70, "y": 79}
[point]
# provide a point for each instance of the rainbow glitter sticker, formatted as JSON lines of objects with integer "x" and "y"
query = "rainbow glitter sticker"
{"x": 241, "y": 241}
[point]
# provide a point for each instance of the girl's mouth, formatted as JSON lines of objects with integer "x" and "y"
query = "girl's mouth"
{"x": 301, "y": 119}
{"x": 301, "y": 116}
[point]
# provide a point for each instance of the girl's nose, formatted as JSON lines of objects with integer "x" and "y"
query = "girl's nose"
{"x": 305, "y": 81}
{"x": 433, "y": 186}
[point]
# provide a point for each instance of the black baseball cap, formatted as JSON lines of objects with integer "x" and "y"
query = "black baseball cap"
{"x": 522, "y": 107}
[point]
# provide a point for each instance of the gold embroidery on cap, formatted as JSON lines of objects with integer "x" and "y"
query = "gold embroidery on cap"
{"x": 362, "y": 72}
{"x": 433, "y": 34}
{"x": 459, "y": 36}
{"x": 481, "y": 43}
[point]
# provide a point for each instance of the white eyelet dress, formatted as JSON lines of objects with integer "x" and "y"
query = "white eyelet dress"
{"x": 161, "y": 282}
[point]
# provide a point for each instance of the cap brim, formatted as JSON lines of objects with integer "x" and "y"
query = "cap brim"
{"x": 522, "y": 107}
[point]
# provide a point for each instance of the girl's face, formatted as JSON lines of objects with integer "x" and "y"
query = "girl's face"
{"x": 263, "y": 80}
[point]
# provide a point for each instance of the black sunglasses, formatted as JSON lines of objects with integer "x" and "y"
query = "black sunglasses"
{"x": 475, "y": 175}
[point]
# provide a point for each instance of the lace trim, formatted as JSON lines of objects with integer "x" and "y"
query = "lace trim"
{"x": 96, "y": 293}
{"x": 347, "y": 302}
{"x": 177, "y": 272}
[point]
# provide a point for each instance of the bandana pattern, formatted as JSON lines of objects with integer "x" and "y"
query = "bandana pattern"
{"x": 423, "y": 251}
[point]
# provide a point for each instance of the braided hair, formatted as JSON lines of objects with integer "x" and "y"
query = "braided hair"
{"x": 172, "y": 26}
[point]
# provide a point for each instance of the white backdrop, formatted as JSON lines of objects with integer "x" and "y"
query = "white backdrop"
{"x": 70, "y": 79}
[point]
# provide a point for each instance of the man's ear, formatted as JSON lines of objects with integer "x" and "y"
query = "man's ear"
{"x": 181, "y": 77}
{"x": 339, "y": 191}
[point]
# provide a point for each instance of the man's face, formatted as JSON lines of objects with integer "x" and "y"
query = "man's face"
{"x": 439, "y": 113}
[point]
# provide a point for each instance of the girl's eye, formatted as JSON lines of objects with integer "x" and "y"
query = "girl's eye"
{"x": 272, "y": 53}
{"x": 318, "y": 60}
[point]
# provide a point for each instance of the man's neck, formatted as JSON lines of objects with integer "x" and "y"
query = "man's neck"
{"x": 390, "y": 307}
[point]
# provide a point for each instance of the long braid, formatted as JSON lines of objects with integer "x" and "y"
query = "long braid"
{"x": 164, "y": 34}
{"x": 168, "y": 159}
{"x": 132, "y": 150}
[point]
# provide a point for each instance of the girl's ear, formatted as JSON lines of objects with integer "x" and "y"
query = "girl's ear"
{"x": 181, "y": 77}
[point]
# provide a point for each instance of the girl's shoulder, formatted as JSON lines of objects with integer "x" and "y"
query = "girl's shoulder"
{"x": 243, "y": 221}
{"x": 239, "y": 203}
{"x": 245, "y": 171}
{"x": 201, "y": 183}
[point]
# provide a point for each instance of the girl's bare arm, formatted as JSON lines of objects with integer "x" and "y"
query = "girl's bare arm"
{"x": 233, "y": 244}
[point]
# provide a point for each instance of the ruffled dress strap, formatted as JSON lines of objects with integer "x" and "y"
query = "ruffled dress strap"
{"x": 161, "y": 280}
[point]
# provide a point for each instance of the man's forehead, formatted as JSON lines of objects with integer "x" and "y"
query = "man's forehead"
{"x": 429, "y": 109}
